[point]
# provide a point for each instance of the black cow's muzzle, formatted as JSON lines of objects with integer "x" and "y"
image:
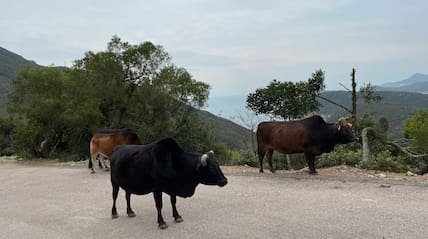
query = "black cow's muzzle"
{"x": 222, "y": 182}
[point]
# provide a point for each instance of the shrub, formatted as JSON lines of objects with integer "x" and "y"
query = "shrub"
{"x": 341, "y": 155}
{"x": 384, "y": 161}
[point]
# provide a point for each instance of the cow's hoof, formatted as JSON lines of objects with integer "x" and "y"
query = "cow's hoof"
{"x": 114, "y": 216}
{"x": 131, "y": 214}
{"x": 261, "y": 171}
{"x": 92, "y": 172}
{"x": 107, "y": 169}
{"x": 313, "y": 173}
{"x": 272, "y": 171}
{"x": 163, "y": 226}
{"x": 178, "y": 219}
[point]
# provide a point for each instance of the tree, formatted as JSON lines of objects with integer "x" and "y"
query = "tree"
{"x": 6, "y": 129}
{"x": 56, "y": 110}
{"x": 288, "y": 100}
{"x": 115, "y": 74}
{"x": 50, "y": 109}
{"x": 416, "y": 128}
{"x": 367, "y": 92}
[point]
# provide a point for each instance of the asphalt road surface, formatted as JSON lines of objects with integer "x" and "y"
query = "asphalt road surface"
{"x": 39, "y": 201}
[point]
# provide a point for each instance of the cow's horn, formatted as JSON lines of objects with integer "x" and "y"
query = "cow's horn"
{"x": 204, "y": 159}
{"x": 338, "y": 127}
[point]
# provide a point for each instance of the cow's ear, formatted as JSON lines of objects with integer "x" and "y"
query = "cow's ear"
{"x": 338, "y": 127}
{"x": 204, "y": 159}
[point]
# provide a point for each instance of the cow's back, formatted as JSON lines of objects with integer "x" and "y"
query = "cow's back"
{"x": 104, "y": 144}
{"x": 285, "y": 137}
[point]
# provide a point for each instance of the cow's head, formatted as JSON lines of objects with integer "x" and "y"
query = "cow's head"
{"x": 210, "y": 172}
{"x": 344, "y": 132}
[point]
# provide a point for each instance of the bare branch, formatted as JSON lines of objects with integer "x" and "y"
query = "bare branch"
{"x": 407, "y": 152}
{"x": 345, "y": 87}
{"x": 404, "y": 149}
{"x": 334, "y": 103}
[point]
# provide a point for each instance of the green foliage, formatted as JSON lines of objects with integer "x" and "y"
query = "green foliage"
{"x": 341, "y": 155}
{"x": 382, "y": 160}
{"x": 55, "y": 111}
{"x": 6, "y": 129}
{"x": 383, "y": 125}
{"x": 385, "y": 161}
{"x": 12, "y": 63}
{"x": 242, "y": 157}
{"x": 369, "y": 94}
{"x": 287, "y": 100}
{"x": 50, "y": 108}
{"x": 416, "y": 128}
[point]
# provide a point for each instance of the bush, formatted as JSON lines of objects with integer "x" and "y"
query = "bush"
{"x": 341, "y": 155}
{"x": 384, "y": 161}
{"x": 6, "y": 129}
{"x": 242, "y": 157}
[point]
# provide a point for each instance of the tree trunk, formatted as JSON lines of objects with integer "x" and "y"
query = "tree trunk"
{"x": 354, "y": 100}
{"x": 289, "y": 163}
{"x": 366, "y": 149}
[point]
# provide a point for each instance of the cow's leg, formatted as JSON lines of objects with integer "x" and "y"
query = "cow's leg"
{"x": 99, "y": 157}
{"x": 177, "y": 217}
{"x": 128, "y": 205}
{"x": 90, "y": 164}
{"x": 114, "y": 194}
{"x": 261, "y": 154}
{"x": 310, "y": 159}
{"x": 103, "y": 165}
{"x": 269, "y": 157}
{"x": 158, "y": 202}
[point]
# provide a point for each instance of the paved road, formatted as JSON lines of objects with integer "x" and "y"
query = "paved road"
{"x": 66, "y": 202}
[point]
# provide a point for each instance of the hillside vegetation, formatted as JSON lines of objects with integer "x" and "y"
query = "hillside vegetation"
{"x": 10, "y": 65}
{"x": 226, "y": 131}
{"x": 395, "y": 106}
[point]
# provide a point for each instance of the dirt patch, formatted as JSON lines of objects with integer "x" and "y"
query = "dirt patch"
{"x": 339, "y": 171}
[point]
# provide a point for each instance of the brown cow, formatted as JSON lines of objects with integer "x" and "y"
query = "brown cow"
{"x": 104, "y": 141}
{"x": 311, "y": 136}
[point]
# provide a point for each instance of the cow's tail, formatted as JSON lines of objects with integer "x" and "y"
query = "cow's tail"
{"x": 257, "y": 134}
{"x": 90, "y": 165}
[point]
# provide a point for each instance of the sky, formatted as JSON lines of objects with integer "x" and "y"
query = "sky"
{"x": 236, "y": 46}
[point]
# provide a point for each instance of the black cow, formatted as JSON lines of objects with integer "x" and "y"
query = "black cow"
{"x": 159, "y": 167}
{"x": 311, "y": 136}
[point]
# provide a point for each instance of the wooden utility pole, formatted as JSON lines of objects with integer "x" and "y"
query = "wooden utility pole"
{"x": 354, "y": 100}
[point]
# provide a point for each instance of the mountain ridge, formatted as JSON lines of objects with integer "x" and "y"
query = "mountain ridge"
{"x": 416, "y": 83}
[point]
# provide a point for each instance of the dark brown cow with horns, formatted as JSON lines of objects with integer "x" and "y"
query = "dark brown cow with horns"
{"x": 104, "y": 141}
{"x": 311, "y": 136}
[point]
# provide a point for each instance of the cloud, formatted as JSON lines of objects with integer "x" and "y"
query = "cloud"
{"x": 233, "y": 45}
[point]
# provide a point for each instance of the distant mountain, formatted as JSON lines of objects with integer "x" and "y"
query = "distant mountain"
{"x": 395, "y": 106}
{"x": 11, "y": 63}
{"x": 416, "y": 83}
